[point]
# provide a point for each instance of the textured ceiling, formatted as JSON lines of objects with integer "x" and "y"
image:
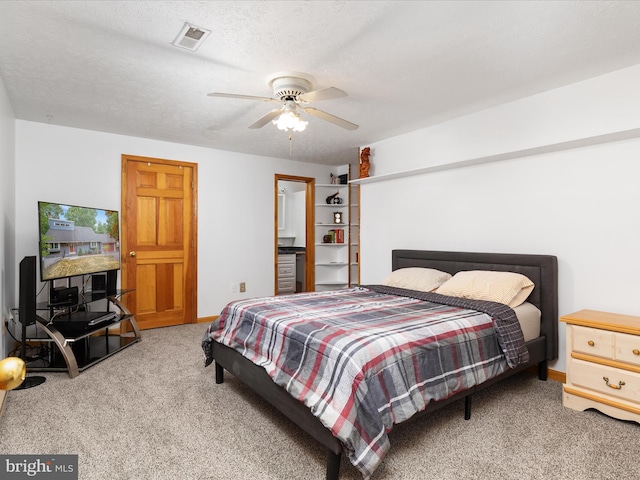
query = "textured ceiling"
{"x": 111, "y": 66}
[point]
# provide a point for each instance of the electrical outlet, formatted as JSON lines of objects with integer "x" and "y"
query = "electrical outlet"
{"x": 233, "y": 288}
{"x": 243, "y": 287}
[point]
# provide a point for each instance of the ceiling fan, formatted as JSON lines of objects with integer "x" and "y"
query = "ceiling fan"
{"x": 294, "y": 90}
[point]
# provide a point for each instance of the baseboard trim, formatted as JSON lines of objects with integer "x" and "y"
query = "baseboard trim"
{"x": 3, "y": 397}
{"x": 207, "y": 319}
{"x": 551, "y": 374}
{"x": 557, "y": 376}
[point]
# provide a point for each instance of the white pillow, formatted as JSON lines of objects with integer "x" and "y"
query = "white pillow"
{"x": 416, "y": 278}
{"x": 503, "y": 287}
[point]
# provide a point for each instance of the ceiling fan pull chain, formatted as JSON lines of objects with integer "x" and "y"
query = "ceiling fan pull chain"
{"x": 290, "y": 145}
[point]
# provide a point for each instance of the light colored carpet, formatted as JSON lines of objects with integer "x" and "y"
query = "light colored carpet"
{"x": 154, "y": 412}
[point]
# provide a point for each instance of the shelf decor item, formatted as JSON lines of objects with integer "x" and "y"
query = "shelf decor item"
{"x": 337, "y": 217}
{"x": 365, "y": 163}
{"x": 334, "y": 199}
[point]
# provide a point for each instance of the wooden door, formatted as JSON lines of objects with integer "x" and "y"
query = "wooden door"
{"x": 159, "y": 240}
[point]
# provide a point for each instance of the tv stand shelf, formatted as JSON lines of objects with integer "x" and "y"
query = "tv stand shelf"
{"x": 80, "y": 346}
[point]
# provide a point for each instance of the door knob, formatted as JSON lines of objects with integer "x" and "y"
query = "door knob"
{"x": 132, "y": 254}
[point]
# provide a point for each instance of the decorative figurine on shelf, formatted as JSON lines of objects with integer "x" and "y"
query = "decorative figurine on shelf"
{"x": 337, "y": 217}
{"x": 364, "y": 162}
{"x": 332, "y": 179}
{"x": 334, "y": 199}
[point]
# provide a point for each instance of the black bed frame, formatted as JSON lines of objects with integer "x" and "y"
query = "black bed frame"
{"x": 541, "y": 269}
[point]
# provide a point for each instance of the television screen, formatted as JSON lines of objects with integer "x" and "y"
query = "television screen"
{"x": 77, "y": 240}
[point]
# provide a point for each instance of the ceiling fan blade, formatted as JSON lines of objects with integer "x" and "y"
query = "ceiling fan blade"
{"x": 322, "y": 94}
{"x": 262, "y": 121}
{"x": 330, "y": 118}
{"x": 243, "y": 97}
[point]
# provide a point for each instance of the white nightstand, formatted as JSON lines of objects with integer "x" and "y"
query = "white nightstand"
{"x": 603, "y": 363}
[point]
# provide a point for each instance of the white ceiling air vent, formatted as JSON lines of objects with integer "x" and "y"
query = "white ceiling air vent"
{"x": 191, "y": 37}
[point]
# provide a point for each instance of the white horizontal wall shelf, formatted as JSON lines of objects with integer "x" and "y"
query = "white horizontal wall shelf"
{"x": 555, "y": 147}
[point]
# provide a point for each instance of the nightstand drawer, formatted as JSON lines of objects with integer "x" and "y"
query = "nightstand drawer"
{"x": 609, "y": 381}
{"x": 628, "y": 348}
{"x": 592, "y": 341}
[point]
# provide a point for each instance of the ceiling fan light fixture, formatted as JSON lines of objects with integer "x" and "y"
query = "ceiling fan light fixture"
{"x": 293, "y": 90}
{"x": 290, "y": 120}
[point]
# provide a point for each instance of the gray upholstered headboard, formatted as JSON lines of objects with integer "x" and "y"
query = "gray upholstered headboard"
{"x": 541, "y": 269}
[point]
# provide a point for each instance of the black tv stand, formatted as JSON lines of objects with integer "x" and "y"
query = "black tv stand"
{"x": 79, "y": 344}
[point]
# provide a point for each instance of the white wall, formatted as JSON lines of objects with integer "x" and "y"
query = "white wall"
{"x": 599, "y": 106}
{"x": 297, "y": 212}
{"x": 579, "y": 204}
{"x": 235, "y": 199}
{"x": 295, "y": 208}
{"x": 7, "y": 224}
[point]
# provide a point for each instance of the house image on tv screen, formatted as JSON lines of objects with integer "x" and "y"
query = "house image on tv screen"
{"x": 71, "y": 250}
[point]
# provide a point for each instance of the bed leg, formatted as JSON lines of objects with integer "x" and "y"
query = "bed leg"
{"x": 219, "y": 373}
{"x": 543, "y": 370}
{"x": 333, "y": 465}
{"x": 467, "y": 407}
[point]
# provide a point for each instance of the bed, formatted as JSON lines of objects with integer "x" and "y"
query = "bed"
{"x": 324, "y": 424}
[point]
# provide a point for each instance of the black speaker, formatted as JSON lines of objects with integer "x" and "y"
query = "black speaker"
{"x": 112, "y": 280}
{"x": 27, "y": 312}
{"x": 27, "y": 294}
{"x": 98, "y": 283}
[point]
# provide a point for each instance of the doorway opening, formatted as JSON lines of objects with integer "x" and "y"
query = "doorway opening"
{"x": 294, "y": 199}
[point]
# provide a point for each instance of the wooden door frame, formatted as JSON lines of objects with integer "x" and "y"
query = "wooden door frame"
{"x": 310, "y": 257}
{"x": 193, "y": 257}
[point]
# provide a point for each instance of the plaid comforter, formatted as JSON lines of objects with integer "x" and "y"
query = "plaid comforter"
{"x": 365, "y": 358}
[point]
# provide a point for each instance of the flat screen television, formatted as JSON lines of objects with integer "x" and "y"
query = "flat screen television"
{"x": 77, "y": 240}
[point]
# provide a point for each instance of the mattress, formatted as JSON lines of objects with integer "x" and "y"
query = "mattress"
{"x": 528, "y": 316}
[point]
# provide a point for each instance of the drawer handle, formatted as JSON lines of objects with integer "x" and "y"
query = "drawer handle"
{"x": 591, "y": 343}
{"x": 636, "y": 351}
{"x": 615, "y": 387}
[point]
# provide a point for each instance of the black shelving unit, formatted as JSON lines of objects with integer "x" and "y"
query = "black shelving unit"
{"x": 76, "y": 346}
